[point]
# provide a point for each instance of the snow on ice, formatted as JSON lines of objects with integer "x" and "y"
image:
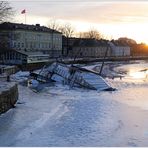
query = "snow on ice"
{"x": 61, "y": 116}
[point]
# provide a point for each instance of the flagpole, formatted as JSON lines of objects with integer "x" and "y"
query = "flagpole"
{"x": 25, "y": 18}
{"x": 24, "y": 13}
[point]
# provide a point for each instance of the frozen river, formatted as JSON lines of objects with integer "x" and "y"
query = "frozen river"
{"x": 60, "y": 116}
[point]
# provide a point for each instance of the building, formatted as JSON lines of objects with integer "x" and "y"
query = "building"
{"x": 10, "y": 56}
{"x": 92, "y": 48}
{"x": 19, "y": 57}
{"x": 30, "y": 38}
{"x": 119, "y": 50}
{"x": 67, "y": 45}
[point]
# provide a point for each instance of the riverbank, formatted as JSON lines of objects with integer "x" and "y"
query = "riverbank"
{"x": 88, "y": 60}
{"x": 8, "y": 96}
{"x": 60, "y": 116}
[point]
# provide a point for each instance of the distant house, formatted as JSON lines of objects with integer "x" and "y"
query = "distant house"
{"x": 119, "y": 50}
{"x": 92, "y": 48}
{"x": 30, "y": 38}
{"x": 67, "y": 45}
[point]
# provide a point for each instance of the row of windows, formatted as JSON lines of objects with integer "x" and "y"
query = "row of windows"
{"x": 13, "y": 56}
{"x": 89, "y": 51}
{"x": 34, "y": 36}
{"x": 31, "y": 45}
{"x": 35, "y": 46}
{"x": 93, "y": 49}
{"x": 39, "y": 37}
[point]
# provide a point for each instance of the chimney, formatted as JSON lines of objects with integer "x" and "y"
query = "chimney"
{"x": 37, "y": 25}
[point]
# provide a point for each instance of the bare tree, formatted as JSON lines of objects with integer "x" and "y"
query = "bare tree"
{"x": 91, "y": 34}
{"x": 67, "y": 30}
{"x": 54, "y": 24}
{"x": 6, "y": 11}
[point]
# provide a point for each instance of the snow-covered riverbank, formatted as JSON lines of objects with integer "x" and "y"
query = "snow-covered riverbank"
{"x": 60, "y": 116}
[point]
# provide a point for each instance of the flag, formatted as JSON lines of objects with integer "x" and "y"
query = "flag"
{"x": 23, "y": 11}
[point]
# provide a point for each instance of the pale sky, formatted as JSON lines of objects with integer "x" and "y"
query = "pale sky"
{"x": 126, "y": 18}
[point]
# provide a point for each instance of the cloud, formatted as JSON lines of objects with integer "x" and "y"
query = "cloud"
{"x": 87, "y": 11}
{"x": 117, "y": 18}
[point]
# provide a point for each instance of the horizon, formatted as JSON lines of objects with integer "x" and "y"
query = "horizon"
{"x": 114, "y": 19}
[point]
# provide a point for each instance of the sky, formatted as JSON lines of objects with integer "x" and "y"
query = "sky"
{"x": 113, "y": 18}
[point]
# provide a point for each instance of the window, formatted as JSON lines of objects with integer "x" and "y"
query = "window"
{"x": 14, "y": 44}
{"x": 34, "y": 45}
{"x": 30, "y": 44}
{"x": 46, "y": 45}
{"x": 19, "y": 56}
{"x": 26, "y": 45}
{"x": 18, "y": 45}
{"x": 42, "y": 45}
{"x": 22, "y": 45}
{"x": 10, "y": 56}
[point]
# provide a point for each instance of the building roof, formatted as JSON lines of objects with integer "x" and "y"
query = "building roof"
{"x": 119, "y": 43}
{"x": 12, "y": 50}
{"x": 30, "y": 54}
{"x": 15, "y": 26}
{"x": 35, "y": 54}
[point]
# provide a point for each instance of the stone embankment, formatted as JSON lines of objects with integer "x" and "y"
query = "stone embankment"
{"x": 8, "y": 95}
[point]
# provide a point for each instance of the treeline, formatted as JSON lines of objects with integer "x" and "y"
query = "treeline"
{"x": 6, "y": 11}
{"x": 139, "y": 50}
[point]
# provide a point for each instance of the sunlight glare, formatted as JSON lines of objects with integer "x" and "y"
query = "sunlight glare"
{"x": 138, "y": 74}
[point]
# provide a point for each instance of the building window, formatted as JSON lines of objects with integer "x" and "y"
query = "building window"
{"x": 34, "y": 45}
{"x": 26, "y": 45}
{"x": 19, "y": 56}
{"x": 14, "y": 44}
{"x": 22, "y": 45}
{"x": 18, "y": 45}
{"x": 10, "y": 55}
{"x": 16, "y": 56}
{"x": 46, "y": 45}
{"x": 42, "y": 45}
{"x": 30, "y": 44}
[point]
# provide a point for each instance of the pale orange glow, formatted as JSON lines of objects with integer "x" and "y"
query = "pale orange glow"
{"x": 113, "y": 19}
{"x": 138, "y": 74}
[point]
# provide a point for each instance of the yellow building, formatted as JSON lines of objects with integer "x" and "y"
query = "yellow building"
{"x": 31, "y": 38}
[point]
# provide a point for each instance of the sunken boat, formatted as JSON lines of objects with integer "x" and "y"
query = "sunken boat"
{"x": 73, "y": 76}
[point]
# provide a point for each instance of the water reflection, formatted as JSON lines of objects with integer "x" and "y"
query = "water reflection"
{"x": 133, "y": 89}
{"x": 142, "y": 74}
{"x": 134, "y": 71}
